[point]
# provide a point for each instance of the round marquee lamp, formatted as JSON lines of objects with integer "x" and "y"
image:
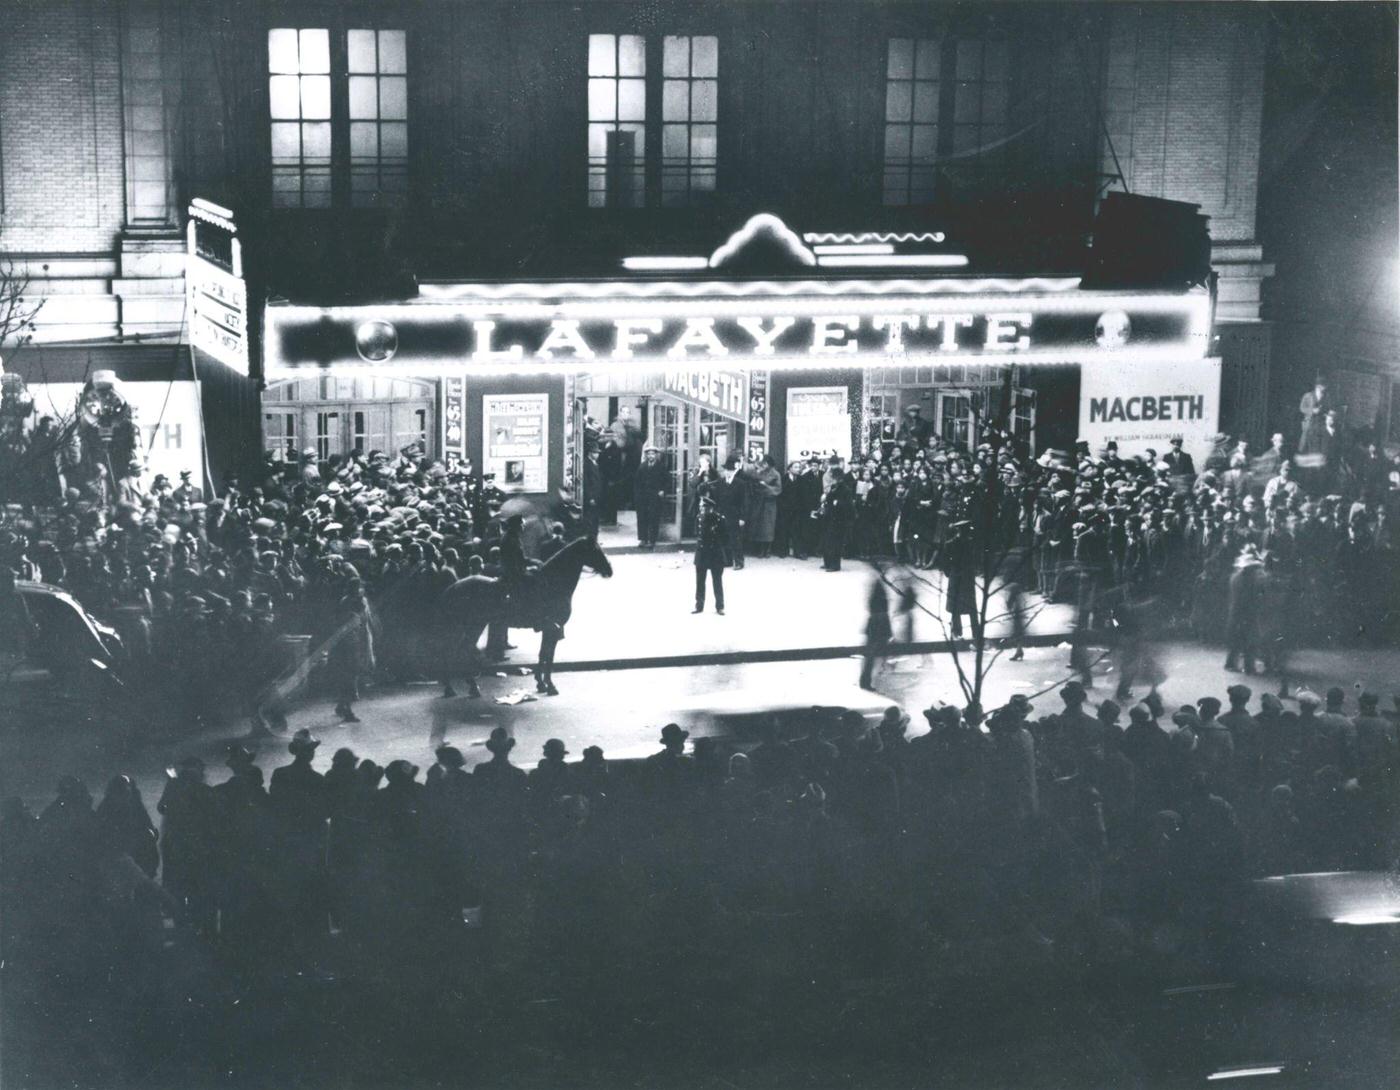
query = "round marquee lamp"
{"x": 1113, "y": 329}
{"x": 376, "y": 340}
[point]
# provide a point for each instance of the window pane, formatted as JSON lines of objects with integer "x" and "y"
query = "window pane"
{"x": 393, "y": 140}
{"x": 631, "y": 56}
{"x": 315, "y": 51}
{"x": 284, "y": 97}
{"x": 901, "y": 64}
{"x": 969, "y": 60}
{"x": 602, "y": 55}
{"x": 598, "y": 141}
{"x": 316, "y": 97}
{"x": 896, "y": 142}
{"x": 393, "y": 51}
{"x": 703, "y": 144}
{"x": 704, "y": 96}
{"x": 675, "y": 141}
{"x": 704, "y": 57}
{"x": 925, "y": 142}
{"x": 930, "y": 56}
{"x": 364, "y": 100}
{"x": 602, "y": 99}
{"x": 631, "y": 100}
{"x": 286, "y": 140}
{"x": 675, "y": 100}
{"x": 360, "y": 51}
{"x": 316, "y": 141}
{"x": 393, "y": 98}
{"x": 967, "y": 105}
{"x": 898, "y": 101}
{"x": 364, "y": 140}
{"x": 925, "y": 102}
{"x": 675, "y": 56}
{"x": 282, "y": 50}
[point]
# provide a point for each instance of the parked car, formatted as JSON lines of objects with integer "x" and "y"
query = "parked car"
{"x": 62, "y": 637}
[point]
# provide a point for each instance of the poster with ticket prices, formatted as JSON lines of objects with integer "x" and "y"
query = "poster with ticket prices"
{"x": 515, "y": 433}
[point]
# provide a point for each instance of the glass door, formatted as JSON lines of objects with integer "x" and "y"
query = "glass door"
{"x": 664, "y": 430}
{"x": 955, "y": 420}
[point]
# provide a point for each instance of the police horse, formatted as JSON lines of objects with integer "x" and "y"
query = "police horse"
{"x": 543, "y": 602}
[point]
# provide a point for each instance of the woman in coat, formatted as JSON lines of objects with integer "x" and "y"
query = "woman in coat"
{"x": 711, "y": 553}
{"x": 761, "y": 516}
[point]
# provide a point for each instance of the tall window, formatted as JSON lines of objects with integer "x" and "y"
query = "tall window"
{"x": 377, "y": 63}
{"x": 689, "y": 111}
{"x": 682, "y": 150}
{"x": 617, "y": 111}
{"x": 299, "y": 94}
{"x": 946, "y": 109}
{"x": 310, "y": 139}
{"x": 911, "y": 119}
{"x": 980, "y": 103}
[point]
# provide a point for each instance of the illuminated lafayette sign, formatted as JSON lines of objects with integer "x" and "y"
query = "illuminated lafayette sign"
{"x": 688, "y": 332}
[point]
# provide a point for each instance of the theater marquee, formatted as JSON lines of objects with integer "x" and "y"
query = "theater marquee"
{"x": 676, "y": 327}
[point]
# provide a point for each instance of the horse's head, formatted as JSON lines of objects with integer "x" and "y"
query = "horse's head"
{"x": 594, "y": 559}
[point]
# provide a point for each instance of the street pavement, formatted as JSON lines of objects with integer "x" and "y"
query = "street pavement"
{"x": 643, "y": 611}
{"x": 620, "y": 710}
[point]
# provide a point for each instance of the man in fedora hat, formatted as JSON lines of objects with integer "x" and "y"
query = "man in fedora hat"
{"x": 297, "y": 789}
{"x": 648, "y": 495}
{"x": 551, "y": 777}
{"x": 498, "y": 771}
{"x": 670, "y": 769}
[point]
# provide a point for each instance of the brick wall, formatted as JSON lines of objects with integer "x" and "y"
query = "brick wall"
{"x": 1183, "y": 101}
{"x": 60, "y": 127}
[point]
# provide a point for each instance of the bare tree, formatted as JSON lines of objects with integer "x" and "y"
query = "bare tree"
{"x": 18, "y": 311}
{"x": 985, "y": 557}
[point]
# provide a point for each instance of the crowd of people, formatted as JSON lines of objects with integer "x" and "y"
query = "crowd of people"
{"x": 826, "y": 851}
{"x": 339, "y": 549}
{"x": 1298, "y": 543}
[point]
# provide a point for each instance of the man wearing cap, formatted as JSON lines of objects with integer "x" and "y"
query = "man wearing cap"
{"x": 1336, "y": 728}
{"x": 648, "y": 495}
{"x": 1245, "y": 733}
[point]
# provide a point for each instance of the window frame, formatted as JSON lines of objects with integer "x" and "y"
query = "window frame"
{"x": 949, "y": 165}
{"x": 340, "y": 187}
{"x": 650, "y": 187}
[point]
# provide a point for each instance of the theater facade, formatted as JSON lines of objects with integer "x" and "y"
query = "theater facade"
{"x": 775, "y": 341}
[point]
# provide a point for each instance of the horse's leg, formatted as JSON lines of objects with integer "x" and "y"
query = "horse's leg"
{"x": 474, "y": 658}
{"x": 549, "y": 640}
{"x": 450, "y": 644}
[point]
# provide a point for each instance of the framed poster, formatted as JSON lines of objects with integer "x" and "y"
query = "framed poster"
{"x": 818, "y": 422}
{"x": 515, "y": 433}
